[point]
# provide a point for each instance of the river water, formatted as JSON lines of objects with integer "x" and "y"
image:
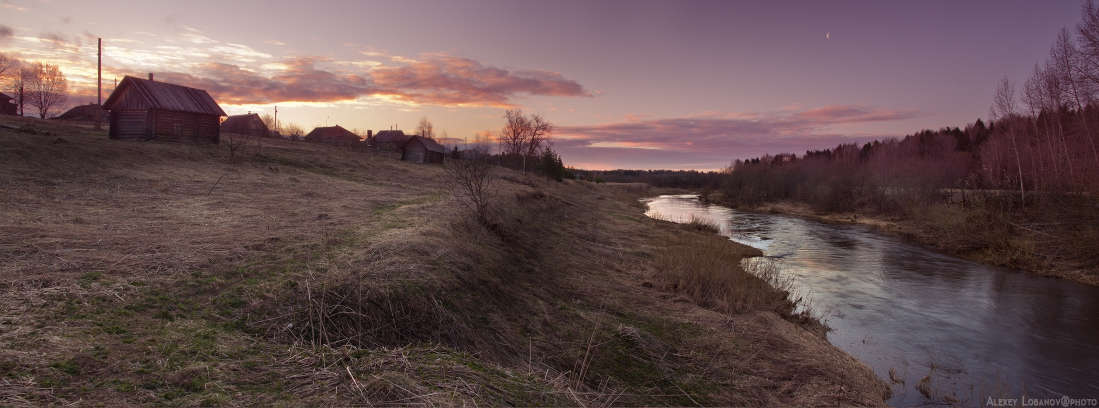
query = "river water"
{"x": 974, "y": 330}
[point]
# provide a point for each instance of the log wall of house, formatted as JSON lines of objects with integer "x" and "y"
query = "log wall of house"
{"x": 415, "y": 152}
{"x": 184, "y": 126}
{"x": 128, "y": 125}
{"x": 434, "y": 157}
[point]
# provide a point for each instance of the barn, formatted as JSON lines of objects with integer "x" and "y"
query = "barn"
{"x": 144, "y": 109}
{"x": 335, "y": 135}
{"x": 249, "y": 124}
{"x": 422, "y": 150}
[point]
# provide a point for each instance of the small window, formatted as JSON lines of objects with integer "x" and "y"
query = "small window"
{"x": 178, "y": 129}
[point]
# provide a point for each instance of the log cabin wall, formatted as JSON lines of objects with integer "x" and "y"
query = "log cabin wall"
{"x": 128, "y": 125}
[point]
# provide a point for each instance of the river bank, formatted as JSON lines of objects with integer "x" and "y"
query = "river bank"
{"x": 944, "y": 228}
{"x": 146, "y": 273}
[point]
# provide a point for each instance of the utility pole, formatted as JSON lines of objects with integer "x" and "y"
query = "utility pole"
{"x": 276, "y": 129}
{"x": 99, "y": 83}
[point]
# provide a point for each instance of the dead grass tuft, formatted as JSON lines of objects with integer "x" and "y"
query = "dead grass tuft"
{"x": 709, "y": 269}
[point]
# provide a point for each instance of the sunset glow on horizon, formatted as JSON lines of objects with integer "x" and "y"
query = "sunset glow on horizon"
{"x": 627, "y": 84}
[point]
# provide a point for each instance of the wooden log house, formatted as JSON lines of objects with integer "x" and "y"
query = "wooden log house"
{"x": 422, "y": 150}
{"x": 145, "y": 110}
{"x": 250, "y": 124}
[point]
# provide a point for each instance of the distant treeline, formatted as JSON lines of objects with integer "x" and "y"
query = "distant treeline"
{"x": 663, "y": 178}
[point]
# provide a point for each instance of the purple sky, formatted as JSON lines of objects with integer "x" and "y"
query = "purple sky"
{"x": 629, "y": 84}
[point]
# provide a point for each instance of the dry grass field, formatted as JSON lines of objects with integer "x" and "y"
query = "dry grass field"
{"x": 148, "y": 273}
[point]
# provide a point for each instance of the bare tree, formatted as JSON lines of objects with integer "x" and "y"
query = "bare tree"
{"x": 235, "y": 141}
{"x": 292, "y": 130}
{"x": 524, "y": 136}
{"x": 514, "y": 135}
{"x": 540, "y": 131}
{"x": 1088, "y": 31}
{"x": 18, "y": 85}
{"x": 425, "y": 128}
{"x": 1004, "y": 112}
{"x": 46, "y": 88}
{"x": 7, "y": 66}
{"x": 473, "y": 179}
{"x": 268, "y": 121}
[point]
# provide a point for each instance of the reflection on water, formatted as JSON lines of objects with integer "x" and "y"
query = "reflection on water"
{"x": 979, "y": 331}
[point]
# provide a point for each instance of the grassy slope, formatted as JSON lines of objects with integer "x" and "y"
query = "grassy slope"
{"x": 161, "y": 274}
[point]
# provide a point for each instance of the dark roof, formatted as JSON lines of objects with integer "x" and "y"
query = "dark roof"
{"x": 430, "y": 144}
{"x": 243, "y": 122}
{"x": 331, "y": 132}
{"x": 4, "y": 97}
{"x": 391, "y": 136}
{"x": 162, "y": 95}
{"x": 82, "y": 112}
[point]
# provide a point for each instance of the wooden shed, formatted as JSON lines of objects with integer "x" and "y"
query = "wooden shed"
{"x": 335, "y": 135}
{"x": 144, "y": 109}
{"x": 249, "y": 124}
{"x": 422, "y": 150}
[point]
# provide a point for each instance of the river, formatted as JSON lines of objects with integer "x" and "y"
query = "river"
{"x": 975, "y": 331}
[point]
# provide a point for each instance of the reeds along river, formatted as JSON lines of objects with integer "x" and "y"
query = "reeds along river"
{"x": 950, "y": 330}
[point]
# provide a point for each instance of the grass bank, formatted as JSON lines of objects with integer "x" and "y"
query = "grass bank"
{"x": 1055, "y": 237}
{"x": 146, "y": 273}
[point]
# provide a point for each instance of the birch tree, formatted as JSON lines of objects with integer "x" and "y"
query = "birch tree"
{"x": 1003, "y": 112}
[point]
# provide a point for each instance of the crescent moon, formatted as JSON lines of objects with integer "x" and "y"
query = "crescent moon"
{"x": 827, "y": 35}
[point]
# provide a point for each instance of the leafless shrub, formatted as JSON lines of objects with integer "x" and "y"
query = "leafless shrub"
{"x": 473, "y": 181}
{"x": 236, "y": 142}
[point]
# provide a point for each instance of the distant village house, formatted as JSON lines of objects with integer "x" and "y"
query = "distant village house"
{"x": 86, "y": 113}
{"x": 422, "y": 150}
{"x": 389, "y": 140}
{"x": 144, "y": 109}
{"x": 249, "y": 124}
{"x": 6, "y": 107}
{"x": 334, "y": 135}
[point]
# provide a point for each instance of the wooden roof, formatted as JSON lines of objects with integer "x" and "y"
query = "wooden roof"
{"x": 430, "y": 144}
{"x": 82, "y": 112}
{"x": 244, "y": 122}
{"x": 397, "y": 136}
{"x": 162, "y": 95}
{"x": 331, "y": 133}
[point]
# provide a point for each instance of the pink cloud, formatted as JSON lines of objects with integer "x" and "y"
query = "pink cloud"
{"x": 712, "y": 140}
{"x": 299, "y": 82}
{"x": 446, "y": 81}
{"x": 449, "y": 80}
{"x": 6, "y": 33}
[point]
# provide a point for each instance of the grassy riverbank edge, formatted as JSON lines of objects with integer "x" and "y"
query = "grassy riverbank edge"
{"x": 922, "y": 229}
{"x": 146, "y": 273}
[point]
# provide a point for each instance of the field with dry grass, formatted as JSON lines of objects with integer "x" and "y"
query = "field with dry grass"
{"x": 147, "y": 273}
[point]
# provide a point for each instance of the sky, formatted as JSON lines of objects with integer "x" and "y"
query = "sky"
{"x": 627, "y": 84}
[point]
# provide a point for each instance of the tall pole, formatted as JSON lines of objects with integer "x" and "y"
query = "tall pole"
{"x": 99, "y": 82}
{"x": 276, "y": 129}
